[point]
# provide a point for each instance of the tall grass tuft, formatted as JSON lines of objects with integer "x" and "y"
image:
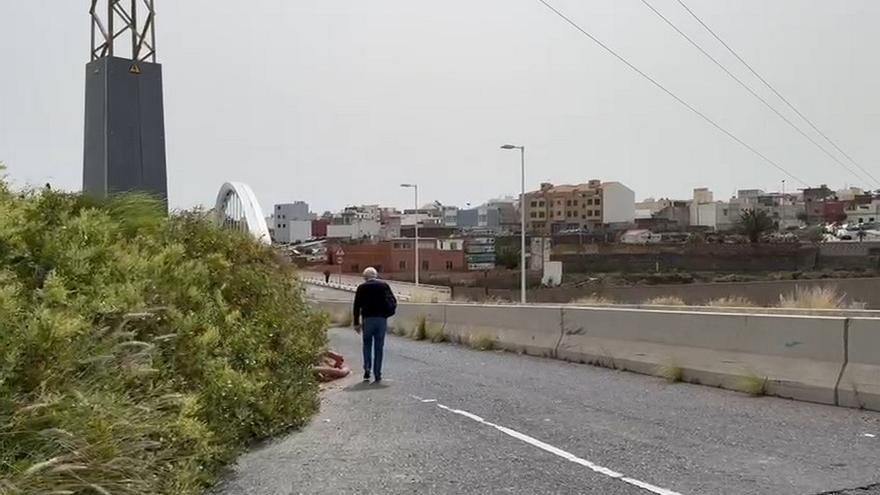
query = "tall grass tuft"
{"x": 420, "y": 332}
{"x": 482, "y": 342}
{"x": 665, "y": 301}
{"x": 731, "y": 302}
{"x": 593, "y": 300}
{"x": 813, "y": 298}
{"x": 140, "y": 352}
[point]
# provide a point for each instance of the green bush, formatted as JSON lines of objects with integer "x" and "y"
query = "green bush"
{"x": 141, "y": 352}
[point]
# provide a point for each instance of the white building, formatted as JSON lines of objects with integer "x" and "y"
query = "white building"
{"x": 298, "y": 210}
{"x": 861, "y": 214}
{"x": 292, "y": 222}
{"x": 357, "y": 229}
{"x": 290, "y": 231}
{"x": 619, "y": 203}
{"x": 450, "y": 244}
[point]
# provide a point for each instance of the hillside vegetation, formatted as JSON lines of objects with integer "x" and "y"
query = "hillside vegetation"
{"x": 140, "y": 352}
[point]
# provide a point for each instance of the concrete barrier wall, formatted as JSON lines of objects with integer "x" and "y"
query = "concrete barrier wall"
{"x": 860, "y": 382}
{"x": 533, "y": 330}
{"x": 824, "y": 359}
{"x": 789, "y": 356}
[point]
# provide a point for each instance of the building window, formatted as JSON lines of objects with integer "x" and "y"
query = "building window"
{"x": 575, "y": 202}
{"x": 541, "y": 204}
{"x": 534, "y": 214}
{"x": 278, "y": 207}
{"x": 568, "y": 203}
{"x": 596, "y": 202}
{"x": 355, "y": 268}
{"x": 583, "y": 217}
{"x": 589, "y": 202}
{"x": 449, "y": 266}
{"x": 453, "y": 246}
{"x": 402, "y": 265}
{"x": 278, "y": 226}
{"x": 541, "y": 214}
{"x": 558, "y": 213}
{"x": 425, "y": 265}
{"x": 534, "y": 204}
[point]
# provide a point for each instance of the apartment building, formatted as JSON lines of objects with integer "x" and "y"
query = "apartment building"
{"x": 565, "y": 207}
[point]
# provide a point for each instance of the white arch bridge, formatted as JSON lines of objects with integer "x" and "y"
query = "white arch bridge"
{"x": 237, "y": 208}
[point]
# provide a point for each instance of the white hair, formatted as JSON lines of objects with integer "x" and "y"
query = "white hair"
{"x": 370, "y": 273}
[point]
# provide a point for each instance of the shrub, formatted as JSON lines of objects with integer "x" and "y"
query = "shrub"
{"x": 731, "y": 302}
{"x": 140, "y": 352}
{"x": 813, "y": 298}
{"x": 665, "y": 301}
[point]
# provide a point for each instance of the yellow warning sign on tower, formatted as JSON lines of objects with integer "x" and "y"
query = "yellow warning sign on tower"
{"x": 135, "y": 69}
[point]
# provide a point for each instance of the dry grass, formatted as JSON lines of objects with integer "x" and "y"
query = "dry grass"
{"x": 731, "y": 302}
{"x": 420, "y": 332}
{"x": 593, "y": 300}
{"x": 752, "y": 385}
{"x": 665, "y": 301}
{"x": 813, "y": 298}
{"x": 482, "y": 342}
{"x": 435, "y": 334}
{"x": 672, "y": 373}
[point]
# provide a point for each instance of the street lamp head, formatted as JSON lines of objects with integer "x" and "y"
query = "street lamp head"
{"x": 407, "y": 185}
{"x": 509, "y": 147}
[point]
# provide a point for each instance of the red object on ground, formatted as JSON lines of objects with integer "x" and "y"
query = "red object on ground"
{"x": 332, "y": 367}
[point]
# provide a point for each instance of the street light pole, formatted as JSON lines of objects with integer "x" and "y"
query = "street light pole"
{"x": 415, "y": 188}
{"x": 522, "y": 220}
{"x": 783, "y": 205}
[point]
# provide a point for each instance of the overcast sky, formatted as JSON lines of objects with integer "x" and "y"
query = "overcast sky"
{"x": 337, "y": 102}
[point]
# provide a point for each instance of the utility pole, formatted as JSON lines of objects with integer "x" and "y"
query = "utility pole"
{"x": 522, "y": 212}
{"x": 124, "y": 145}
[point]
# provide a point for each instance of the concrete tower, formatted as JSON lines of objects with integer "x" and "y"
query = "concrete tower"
{"x": 124, "y": 125}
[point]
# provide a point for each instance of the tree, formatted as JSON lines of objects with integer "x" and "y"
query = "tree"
{"x": 508, "y": 257}
{"x": 754, "y": 223}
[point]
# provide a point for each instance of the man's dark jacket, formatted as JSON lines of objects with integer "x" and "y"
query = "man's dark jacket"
{"x": 374, "y": 299}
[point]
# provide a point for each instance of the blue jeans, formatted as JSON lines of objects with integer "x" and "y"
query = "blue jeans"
{"x": 374, "y": 341}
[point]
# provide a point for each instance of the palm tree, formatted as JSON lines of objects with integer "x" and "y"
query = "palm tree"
{"x": 753, "y": 223}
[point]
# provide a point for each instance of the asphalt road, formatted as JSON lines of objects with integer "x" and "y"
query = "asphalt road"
{"x": 452, "y": 420}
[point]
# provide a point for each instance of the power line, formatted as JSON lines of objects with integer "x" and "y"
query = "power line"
{"x": 670, "y": 93}
{"x": 790, "y": 105}
{"x": 750, "y": 90}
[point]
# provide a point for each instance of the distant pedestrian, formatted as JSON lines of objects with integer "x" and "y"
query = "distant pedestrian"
{"x": 375, "y": 303}
{"x": 327, "y": 276}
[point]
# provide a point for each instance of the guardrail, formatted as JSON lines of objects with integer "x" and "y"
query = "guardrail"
{"x": 824, "y": 359}
{"x": 403, "y": 290}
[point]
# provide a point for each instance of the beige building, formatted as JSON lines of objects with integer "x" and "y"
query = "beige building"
{"x": 555, "y": 208}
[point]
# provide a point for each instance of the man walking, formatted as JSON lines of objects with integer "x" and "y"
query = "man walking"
{"x": 375, "y": 303}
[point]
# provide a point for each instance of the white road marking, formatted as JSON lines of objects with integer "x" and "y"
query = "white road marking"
{"x": 561, "y": 453}
{"x": 429, "y": 400}
{"x": 870, "y": 435}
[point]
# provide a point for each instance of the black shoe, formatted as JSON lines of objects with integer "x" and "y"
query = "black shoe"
{"x": 378, "y": 379}
{"x": 366, "y": 376}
